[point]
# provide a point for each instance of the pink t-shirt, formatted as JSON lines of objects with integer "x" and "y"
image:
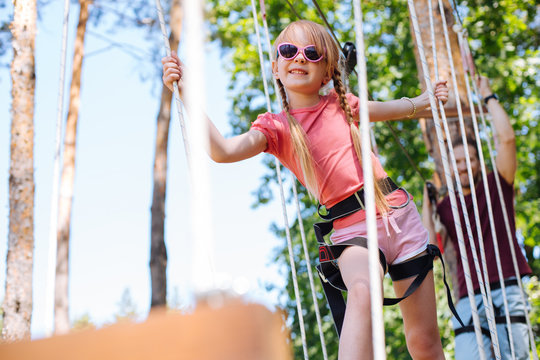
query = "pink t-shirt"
{"x": 338, "y": 170}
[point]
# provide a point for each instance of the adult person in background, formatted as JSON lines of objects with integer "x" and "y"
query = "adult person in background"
{"x": 465, "y": 342}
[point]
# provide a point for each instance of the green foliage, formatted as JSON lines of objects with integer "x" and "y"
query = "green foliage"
{"x": 506, "y": 49}
{"x": 84, "y": 322}
{"x": 505, "y": 46}
{"x": 533, "y": 289}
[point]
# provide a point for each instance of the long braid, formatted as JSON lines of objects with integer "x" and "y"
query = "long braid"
{"x": 380, "y": 200}
{"x": 300, "y": 145}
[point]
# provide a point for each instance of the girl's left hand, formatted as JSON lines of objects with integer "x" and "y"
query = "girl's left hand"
{"x": 440, "y": 89}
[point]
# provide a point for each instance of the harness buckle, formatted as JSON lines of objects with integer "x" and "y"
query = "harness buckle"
{"x": 359, "y": 200}
{"x": 323, "y": 278}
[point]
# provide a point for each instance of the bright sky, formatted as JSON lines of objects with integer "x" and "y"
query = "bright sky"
{"x": 110, "y": 227}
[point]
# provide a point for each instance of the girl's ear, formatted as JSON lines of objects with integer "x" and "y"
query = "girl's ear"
{"x": 327, "y": 77}
{"x": 275, "y": 69}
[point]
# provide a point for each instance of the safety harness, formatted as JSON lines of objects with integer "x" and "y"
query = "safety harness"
{"x": 499, "y": 318}
{"x": 328, "y": 268}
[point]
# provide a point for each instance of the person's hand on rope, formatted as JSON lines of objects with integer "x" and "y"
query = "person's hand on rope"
{"x": 172, "y": 71}
{"x": 440, "y": 90}
{"x": 405, "y": 107}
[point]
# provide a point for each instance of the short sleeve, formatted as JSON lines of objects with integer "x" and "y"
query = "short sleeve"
{"x": 352, "y": 99}
{"x": 269, "y": 126}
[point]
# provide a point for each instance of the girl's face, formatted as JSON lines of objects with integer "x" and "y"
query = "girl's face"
{"x": 298, "y": 75}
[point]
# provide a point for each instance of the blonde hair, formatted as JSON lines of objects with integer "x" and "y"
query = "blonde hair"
{"x": 318, "y": 36}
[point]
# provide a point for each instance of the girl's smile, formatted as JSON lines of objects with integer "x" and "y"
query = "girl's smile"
{"x": 301, "y": 77}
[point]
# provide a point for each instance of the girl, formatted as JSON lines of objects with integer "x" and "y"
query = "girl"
{"x": 318, "y": 139}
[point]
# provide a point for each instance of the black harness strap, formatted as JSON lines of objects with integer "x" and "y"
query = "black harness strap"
{"x": 355, "y": 202}
{"x": 517, "y": 319}
{"x": 411, "y": 268}
{"x": 470, "y": 328}
{"x": 330, "y": 274}
{"x": 494, "y": 286}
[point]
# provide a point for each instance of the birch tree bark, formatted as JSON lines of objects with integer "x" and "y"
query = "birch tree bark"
{"x": 61, "y": 306}
{"x": 17, "y": 306}
{"x": 158, "y": 250}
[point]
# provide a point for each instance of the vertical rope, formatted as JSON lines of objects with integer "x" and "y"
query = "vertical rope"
{"x": 506, "y": 221}
{"x": 377, "y": 322}
{"x": 488, "y": 199}
{"x": 278, "y": 173}
{"x": 310, "y": 273}
{"x": 176, "y": 92}
{"x": 482, "y": 281}
{"x": 51, "y": 256}
{"x": 488, "y": 303}
{"x": 503, "y": 206}
{"x": 449, "y": 182}
{"x": 202, "y": 234}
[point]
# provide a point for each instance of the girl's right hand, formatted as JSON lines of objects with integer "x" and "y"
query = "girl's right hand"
{"x": 172, "y": 70}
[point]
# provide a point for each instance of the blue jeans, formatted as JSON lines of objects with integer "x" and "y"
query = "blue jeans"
{"x": 466, "y": 345}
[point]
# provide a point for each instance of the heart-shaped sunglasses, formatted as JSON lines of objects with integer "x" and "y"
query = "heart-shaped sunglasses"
{"x": 289, "y": 51}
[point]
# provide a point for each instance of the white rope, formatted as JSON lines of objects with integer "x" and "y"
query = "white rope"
{"x": 507, "y": 226}
{"x": 503, "y": 206}
{"x": 484, "y": 285}
{"x": 176, "y": 92}
{"x": 202, "y": 229}
{"x": 508, "y": 233}
{"x": 375, "y": 285}
{"x": 449, "y": 182}
{"x": 278, "y": 173}
{"x": 51, "y": 257}
{"x": 310, "y": 273}
{"x": 488, "y": 198}
{"x": 299, "y": 214}
{"x": 486, "y": 301}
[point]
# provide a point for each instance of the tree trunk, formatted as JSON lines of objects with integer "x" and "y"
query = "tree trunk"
{"x": 158, "y": 251}
{"x": 428, "y": 126}
{"x": 17, "y": 306}
{"x": 61, "y": 309}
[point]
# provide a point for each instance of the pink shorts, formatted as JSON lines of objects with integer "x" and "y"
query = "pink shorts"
{"x": 400, "y": 233}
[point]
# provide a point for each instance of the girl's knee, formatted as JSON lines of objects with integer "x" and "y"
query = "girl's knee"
{"x": 359, "y": 292}
{"x": 423, "y": 344}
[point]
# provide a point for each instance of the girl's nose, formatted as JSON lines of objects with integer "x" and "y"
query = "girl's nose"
{"x": 300, "y": 58}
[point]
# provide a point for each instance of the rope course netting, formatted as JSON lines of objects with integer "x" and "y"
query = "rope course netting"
{"x": 487, "y": 301}
{"x": 199, "y": 172}
{"x": 297, "y": 202}
{"x": 469, "y": 79}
